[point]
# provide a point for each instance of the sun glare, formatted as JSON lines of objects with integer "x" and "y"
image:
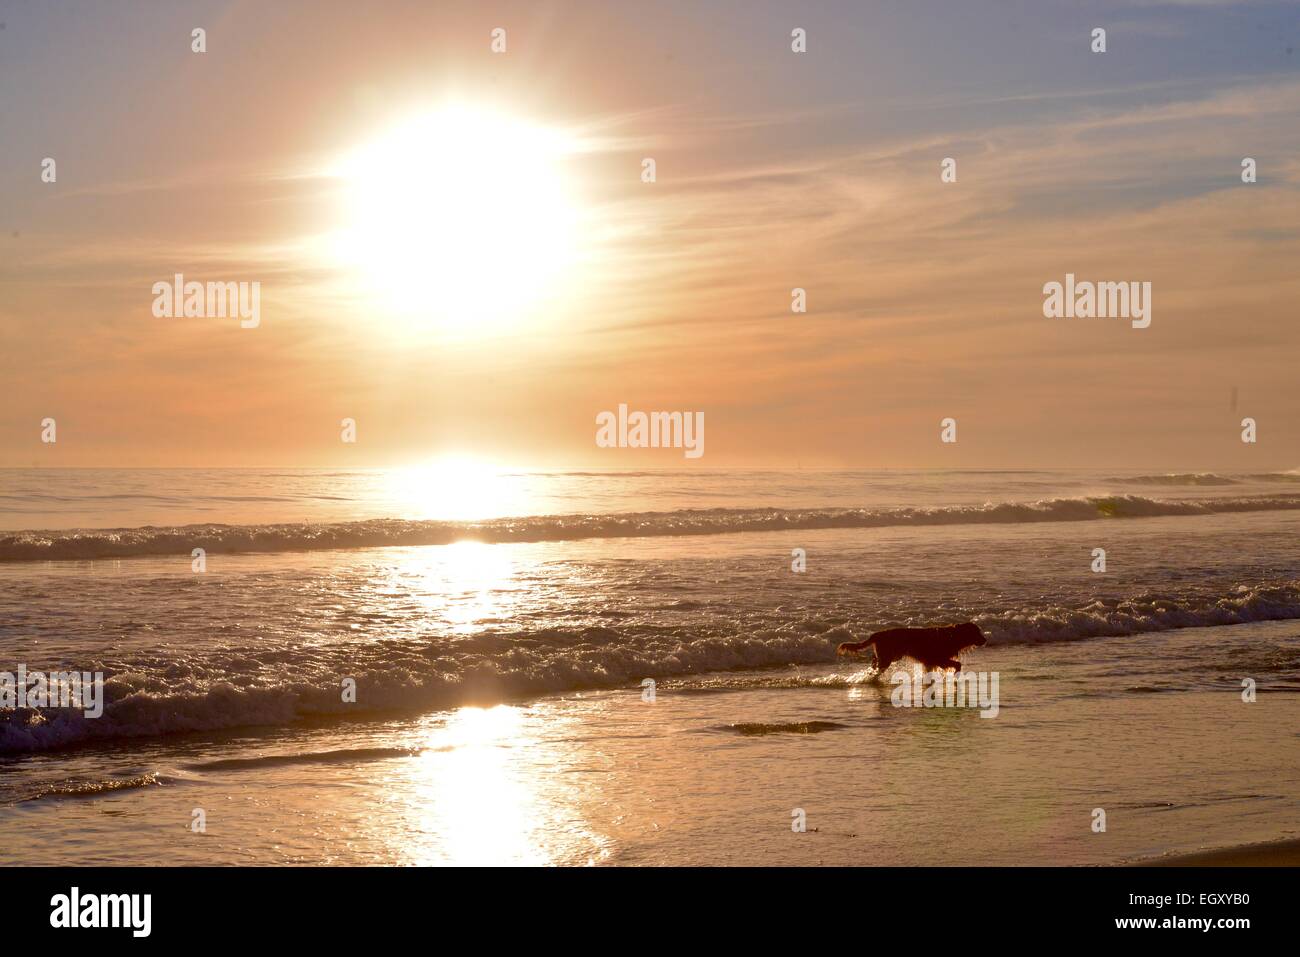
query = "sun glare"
{"x": 455, "y": 488}
{"x": 461, "y": 218}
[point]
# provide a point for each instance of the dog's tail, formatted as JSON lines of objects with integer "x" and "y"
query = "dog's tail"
{"x": 853, "y": 647}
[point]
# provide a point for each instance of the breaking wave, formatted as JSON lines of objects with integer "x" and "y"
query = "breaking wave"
{"x": 1179, "y": 478}
{"x": 1210, "y": 479}
{"x": 86, "y": 544}
{"x": 223, "y": 688}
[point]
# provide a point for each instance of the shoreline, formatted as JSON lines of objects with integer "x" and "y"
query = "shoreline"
{"x": 1284, "y": 853}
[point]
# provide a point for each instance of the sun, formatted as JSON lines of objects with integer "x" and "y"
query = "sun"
{"x": 461, "y": 218}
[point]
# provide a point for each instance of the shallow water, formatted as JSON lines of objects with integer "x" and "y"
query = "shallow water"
{"x": 605, "y": 777}
{"x": 1119, "y": 690}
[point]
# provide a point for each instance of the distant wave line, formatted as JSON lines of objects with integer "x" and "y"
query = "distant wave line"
{"x": 87, "y": 544}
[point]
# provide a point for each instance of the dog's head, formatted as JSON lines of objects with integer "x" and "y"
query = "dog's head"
{"x": 971, "y": 635}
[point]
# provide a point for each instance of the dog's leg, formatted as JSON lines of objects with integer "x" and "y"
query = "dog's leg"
{"x": 851, "y": 647}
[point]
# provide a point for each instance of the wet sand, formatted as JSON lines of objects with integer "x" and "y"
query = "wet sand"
{"x": 1273, "y": 854}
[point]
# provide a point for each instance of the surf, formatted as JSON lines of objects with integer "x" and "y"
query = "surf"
{"x": 89, "y": 544}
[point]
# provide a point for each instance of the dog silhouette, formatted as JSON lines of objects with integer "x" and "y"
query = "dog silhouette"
{"x": 935, "y": 648}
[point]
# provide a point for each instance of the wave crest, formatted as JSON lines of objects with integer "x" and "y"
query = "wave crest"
{"x": 84, "y": 544}
{"x": 489, "y": 668}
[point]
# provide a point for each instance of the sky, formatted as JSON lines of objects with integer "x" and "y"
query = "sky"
{"x": 476, "y": 294}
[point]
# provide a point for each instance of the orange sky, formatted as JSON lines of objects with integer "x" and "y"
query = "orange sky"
{"x": 774, "y": 170}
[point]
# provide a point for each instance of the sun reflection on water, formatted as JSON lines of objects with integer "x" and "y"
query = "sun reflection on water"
{"x": 472, "y": 580}
{"x": 489, "y": 791}
{"x": 457, "y": 489}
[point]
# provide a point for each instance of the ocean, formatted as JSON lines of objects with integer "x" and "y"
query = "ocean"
{"x": 498, "y": 629}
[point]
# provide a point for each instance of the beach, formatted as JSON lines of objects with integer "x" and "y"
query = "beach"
{"x": 1275, "y": 854}
{"x": 502, "y": 712}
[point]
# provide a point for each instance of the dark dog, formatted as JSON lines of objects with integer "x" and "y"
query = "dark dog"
{"x": 934, "y": 648}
